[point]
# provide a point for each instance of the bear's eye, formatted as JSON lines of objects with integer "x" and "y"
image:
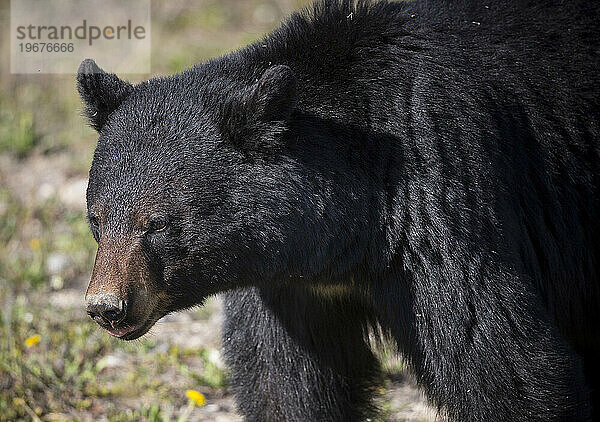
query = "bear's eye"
{"x": 95, "y": 226}
{"x": 93, "y": 221}
{"x": 157, "y": 224}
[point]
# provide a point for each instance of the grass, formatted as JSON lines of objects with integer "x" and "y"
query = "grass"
{"x": 17, "y": 132}
{"x": 75, "y": 368}
{"x": 31, "y": 233}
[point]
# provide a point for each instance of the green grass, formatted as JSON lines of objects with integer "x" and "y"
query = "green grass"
{"x": 31, "y": 233}
{"x": 69, "y": 372}
{"x": 17, "y": 132}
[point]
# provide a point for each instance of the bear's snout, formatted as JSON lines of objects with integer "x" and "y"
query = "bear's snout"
{"x": 122, "y": 296}
{"x": 106, "y": 308}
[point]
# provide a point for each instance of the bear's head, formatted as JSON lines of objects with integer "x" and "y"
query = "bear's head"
{"x": 193, "y": 190}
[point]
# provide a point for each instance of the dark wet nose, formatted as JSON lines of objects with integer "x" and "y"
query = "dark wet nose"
{"x": 106, "y": 308}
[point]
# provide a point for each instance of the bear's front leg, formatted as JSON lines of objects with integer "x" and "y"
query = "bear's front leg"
{"x": 482, "y": 344}
{"x": 295, "y": 356}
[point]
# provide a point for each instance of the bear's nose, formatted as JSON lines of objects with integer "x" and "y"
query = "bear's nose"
{"x": 106, "y": 308}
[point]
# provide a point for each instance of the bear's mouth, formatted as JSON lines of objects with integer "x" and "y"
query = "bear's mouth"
{"x": 125, "y": 332}
{"x": 132, "y": 332}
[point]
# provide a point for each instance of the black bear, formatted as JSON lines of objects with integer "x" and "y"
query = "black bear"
{"x": 426, "y": 170}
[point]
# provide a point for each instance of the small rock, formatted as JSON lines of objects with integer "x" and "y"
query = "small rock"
{"x": 214, "y": 357}
{"x": 67, "y": 299}
{"x": 73, "y": 194}
{"x": 56, "y": 263}
{"x": 110, "y": 361}
{"x": 212, "y": 408}
{"x": 162, "y": 348}
{"x": 57, "y": 282}
{"x": 45, "y": 191}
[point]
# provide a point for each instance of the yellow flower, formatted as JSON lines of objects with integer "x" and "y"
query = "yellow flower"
{"x": 33, "y": 340}
{"x": 18, "y": 401}
{"x": 196, "y": 397}
{"x": 35, "y": 243}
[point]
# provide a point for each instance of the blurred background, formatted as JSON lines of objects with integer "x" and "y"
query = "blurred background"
{"x": 55, "y": 363}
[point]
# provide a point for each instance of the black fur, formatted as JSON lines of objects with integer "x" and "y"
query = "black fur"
{"x": 101, "y": 92}
{"x": 429, "y": 168}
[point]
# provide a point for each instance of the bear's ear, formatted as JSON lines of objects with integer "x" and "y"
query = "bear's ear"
{"x": 274, "y": 95}
{"x": 252, "y": 119}
{"x": 101, "y": 92}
